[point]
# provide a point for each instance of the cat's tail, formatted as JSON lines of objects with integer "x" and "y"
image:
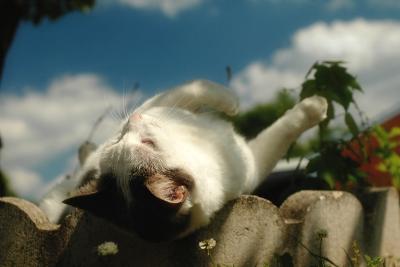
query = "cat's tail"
{"x": 195, "y": 95}
{"x": 273, "y": 143}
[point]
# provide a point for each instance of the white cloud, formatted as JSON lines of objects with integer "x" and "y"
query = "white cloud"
{"x": 259, "y": 82}
{"x": 25, "y": 182}
{"x": 369, "y": 47}
{"x": 170, "y": 8}
{"x": 37, "y": 127}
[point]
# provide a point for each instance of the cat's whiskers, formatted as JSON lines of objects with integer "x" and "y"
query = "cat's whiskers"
{"x": 124, "y": 110}
{"x": 108, "y": 104}
{"x": 119, "y": 115}
{"x": 115, "y": 115}
{"x": 135, "y": 103}
{"x": 130, "y": 101}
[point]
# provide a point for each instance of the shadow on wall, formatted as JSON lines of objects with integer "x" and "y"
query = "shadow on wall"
{"x": 278, "y": 186}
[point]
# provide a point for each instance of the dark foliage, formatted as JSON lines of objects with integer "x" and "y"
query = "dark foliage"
{"x": 12, "y": 12}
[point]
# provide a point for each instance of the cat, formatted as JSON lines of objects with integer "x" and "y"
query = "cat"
{"x": 174, "y": 163}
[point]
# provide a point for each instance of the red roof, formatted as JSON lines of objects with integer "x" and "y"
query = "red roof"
{"x": 374, "y": 176}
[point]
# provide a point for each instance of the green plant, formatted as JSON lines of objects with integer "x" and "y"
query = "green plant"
{"x": 357, "y": 259}
{"x": 354, "y": 261}
{"x": 256, "y": 119}
{"x": 339, "y": 149}
{"x": 320, "y": 259}
{"x": 253, "y": 121}
{"x": 332, "y": 81}
{"x": 373, "y": 261}
{"x": 388, "y": 142}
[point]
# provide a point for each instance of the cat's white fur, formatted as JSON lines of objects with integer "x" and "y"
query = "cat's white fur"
{"x": 171, "y": 130}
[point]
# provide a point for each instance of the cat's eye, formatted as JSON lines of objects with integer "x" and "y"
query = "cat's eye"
{"x": 149, "y": 142}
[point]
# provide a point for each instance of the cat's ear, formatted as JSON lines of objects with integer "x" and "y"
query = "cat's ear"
{"x": 168, "y": 189}
{"x": 96, "y": 198}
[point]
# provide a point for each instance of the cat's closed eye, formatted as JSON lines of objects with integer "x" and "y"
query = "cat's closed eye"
{"x": 149, "y": 142}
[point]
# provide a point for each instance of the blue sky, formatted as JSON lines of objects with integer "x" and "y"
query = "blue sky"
{"x": 127, "y": 44}
{"x": 60, "y": 76}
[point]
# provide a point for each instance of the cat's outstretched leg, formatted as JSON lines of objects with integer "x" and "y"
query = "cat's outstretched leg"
{"x": 273, "y": 143}
{"x": 194, "y": 96}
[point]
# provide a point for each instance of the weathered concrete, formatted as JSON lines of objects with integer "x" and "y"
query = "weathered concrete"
{"x": 26, "y": 236}
{"x": 326, "y": 222}
{"x": 249, "y": 231}
{"x": 382, "y": 222}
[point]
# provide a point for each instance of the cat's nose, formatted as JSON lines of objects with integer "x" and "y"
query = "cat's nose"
{"x": 135, "y": 116}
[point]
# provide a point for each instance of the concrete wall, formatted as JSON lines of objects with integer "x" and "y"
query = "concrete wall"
{"x": 249, "y": 231}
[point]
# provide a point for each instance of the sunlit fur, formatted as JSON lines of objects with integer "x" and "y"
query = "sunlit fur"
{"x": 168, "y": 133}
{"x": 192, "y": 142}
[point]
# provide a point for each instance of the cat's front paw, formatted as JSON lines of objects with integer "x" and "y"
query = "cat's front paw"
{"x": 314, "y": 108}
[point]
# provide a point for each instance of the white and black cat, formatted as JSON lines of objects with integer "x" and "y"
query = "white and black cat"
{"x": 171, "y": 167}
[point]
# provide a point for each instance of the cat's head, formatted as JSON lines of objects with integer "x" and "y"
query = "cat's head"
{"x": 149, "y": 172}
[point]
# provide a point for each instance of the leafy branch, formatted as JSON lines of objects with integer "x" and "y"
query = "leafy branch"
{"x": 331, "y": 80}
{"x": 337, "y": 158}
{"x": 388, "y": 142}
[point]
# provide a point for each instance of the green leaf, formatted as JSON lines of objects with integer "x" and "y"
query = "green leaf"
{"x": 322, "y": 76}
{"x": 381, "y": 167}
{"x": 394, "y": 132}
{"x": 381, "y": 136}
{"x": 345, "y": 98}
{"x": 314, "y": 164}
{"x": 323, "y": 129}
{"x": 329, "y": 179}
{"x": 355, "y": 85}
{"x": 373, "y": 262}
{"x": 351, "y": 124}
{"x": 308, "y": 89}
{"x": 311, "y": 69}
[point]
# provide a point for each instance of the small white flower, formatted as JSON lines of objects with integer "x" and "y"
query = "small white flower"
{"x": 107, "y": 248}
{"x": 208, "y": 244}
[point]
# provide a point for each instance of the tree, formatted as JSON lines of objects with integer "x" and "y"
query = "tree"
{"x": 5, "y": 189}
{"x": 254, "y": 120}
{"x": 12, "y": 12}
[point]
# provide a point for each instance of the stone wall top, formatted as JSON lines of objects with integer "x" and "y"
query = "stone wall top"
{"x": 310, "y": 226}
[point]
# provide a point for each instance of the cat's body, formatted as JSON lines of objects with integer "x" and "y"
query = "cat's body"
{"x": 171, "y": 167}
